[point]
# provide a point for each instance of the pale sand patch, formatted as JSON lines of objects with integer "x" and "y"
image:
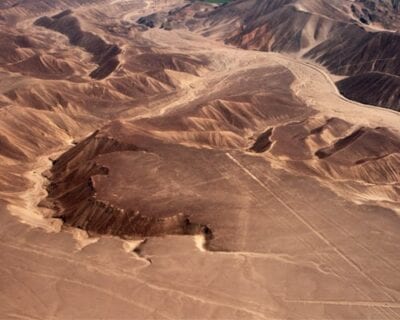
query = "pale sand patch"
{"x": 200, "y": 242}
{"x": 82, "y": 238}
{"x": 27, "y": 207}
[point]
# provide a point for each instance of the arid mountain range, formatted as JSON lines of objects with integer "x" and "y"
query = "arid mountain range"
{"x": 357, "y": 40}
{"x": 189, "y": 160}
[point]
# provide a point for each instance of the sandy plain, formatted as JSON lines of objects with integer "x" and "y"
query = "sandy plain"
{"x": 294, "y": 235}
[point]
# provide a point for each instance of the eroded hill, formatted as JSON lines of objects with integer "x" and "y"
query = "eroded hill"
{"x": 153, "y": 172}
{"x": 349, "y": 38}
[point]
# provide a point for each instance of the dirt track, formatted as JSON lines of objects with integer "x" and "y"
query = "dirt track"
{"x": 290, "y": 239}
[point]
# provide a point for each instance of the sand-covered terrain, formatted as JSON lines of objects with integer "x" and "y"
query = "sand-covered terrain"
{"x": 168, "y": 160}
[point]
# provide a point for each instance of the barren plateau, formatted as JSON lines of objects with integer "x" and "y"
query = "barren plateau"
{"x": 187, "y": 160}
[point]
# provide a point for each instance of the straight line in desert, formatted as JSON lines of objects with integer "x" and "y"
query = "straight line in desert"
{"x": 309, "y": 226}
{"x": 380, "y": 304}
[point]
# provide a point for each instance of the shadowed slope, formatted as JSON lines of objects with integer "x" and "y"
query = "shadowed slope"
{"x": 104, "y": 54}
{"x": 325, "y": 31}
{"x": 74, "y": 192}
{"x": 364, "y": 87}
{"x": 210, "y": 152}
{"x": 91, "y": 188}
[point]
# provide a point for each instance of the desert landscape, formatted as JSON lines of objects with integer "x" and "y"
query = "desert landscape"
{"x": 172, "y": 159}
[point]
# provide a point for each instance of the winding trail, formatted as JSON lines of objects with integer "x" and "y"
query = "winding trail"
{"x": 80, "y": 269}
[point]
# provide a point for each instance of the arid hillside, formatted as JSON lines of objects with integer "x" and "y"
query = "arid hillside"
{"x": 352, "y": 39}
{"x": 184, "y": 160}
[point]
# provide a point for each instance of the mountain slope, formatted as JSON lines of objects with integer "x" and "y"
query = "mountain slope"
{"x": 327, "y": 32}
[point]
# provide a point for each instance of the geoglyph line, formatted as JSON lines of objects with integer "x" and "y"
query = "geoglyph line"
{"x": 309, "y": 226}
{"x": 380, "y": 304}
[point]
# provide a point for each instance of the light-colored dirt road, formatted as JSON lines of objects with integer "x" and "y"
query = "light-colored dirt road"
{"x": 319, "y": 256}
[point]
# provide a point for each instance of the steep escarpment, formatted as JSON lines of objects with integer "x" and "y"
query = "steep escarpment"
{"x": 369, "y": 59}
{"x": 146, "y": 177}
{"x": 364, "y": 87}
{"x": 220, "y": 182}
{"x": 358, "y": 51}
{"x": 104, "y": 54}
{"x": 73, "y": 195}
